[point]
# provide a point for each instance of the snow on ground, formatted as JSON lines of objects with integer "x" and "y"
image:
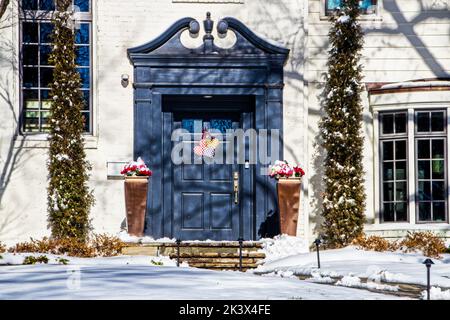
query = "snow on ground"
{"x": 136, "y": 277}
{"x": 17, "y": 259}
{"x": 353, "y": 264}
{"x": 283, "y": 246}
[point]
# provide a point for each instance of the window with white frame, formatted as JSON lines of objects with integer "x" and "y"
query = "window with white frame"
{"x": 428, "y": 146}
{"x": 366, "y": 6}
{"x": 37, "y": 73}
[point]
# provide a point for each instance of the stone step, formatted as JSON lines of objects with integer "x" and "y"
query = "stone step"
{"x": 167, "y": 248}
{"x": 259, "y": 255}
{"x": 230, "y": 266}
{"x": 219, "y": 260}
{"x": 223, "y": 255}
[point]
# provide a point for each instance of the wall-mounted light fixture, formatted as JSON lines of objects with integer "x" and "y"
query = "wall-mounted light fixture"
{"x": 125, "y": 80}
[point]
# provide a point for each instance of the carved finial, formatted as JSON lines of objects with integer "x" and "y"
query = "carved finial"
{"x": 208, "y": 24}
{"x": 208, "y": 38}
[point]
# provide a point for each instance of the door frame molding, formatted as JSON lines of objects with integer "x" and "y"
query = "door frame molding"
{"x": 164, "y": 66}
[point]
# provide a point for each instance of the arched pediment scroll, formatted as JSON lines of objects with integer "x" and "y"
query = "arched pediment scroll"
{"x": 247, "y": 43}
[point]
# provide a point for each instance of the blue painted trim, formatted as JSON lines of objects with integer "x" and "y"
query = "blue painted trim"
{"x": 181, "y": 24}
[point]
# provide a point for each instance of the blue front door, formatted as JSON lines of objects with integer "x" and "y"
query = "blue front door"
{"x": 205, "y": 202}
{"x": 210, "y": 194}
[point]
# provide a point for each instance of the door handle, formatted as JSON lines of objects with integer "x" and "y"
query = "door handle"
{"x": 236, "y": 187}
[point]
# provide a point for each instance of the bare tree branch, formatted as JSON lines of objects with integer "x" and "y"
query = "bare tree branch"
{"x": 3, "y": 5}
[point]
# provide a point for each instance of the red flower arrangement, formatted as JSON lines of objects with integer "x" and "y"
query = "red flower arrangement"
{"x": 282, "y": 169}
{"x": 136, "y": 168}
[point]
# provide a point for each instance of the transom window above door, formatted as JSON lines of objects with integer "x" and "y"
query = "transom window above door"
{"x": 366, "y": 6}
{"x": 413, "y": 152}
{"x": 37, "y": 73}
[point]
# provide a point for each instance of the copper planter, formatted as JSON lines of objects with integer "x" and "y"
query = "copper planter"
{"x": 136, "y": 189}
{"x": 289, "y": 203}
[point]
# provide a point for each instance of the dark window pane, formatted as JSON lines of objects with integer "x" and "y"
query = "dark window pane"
{"x": 46, "y": 77}
{"x": 388, "y": 212}
{"x": 48, "y": 5}
{"x": 438, "y": 190}
{"x": 401, "y": 212}
{"x": 424, "y": 169}
{"x": 387, "y": 121}
{"x": 82, "y": 58}
{"x": 400, "y": 123}
{"x": 29, "y": 4}
{"x": 437, "y": 149}
{"x": 437, "y": 167}
{"x": 46, "y": 101}
{"x": 388, "y": 150}
{"x": 45, "y": 53}
{"x": 400, "y": 150}
{"x": 86, "y": 99}
{"x": 437, "y": 121}
{"x": 30, "y": 55}
{"x": 388, "y": 191}
{"x": 424, "y": 190}
{"x": 85, "y": 77}
{"x": 30, "y": 77}
{"x": 388, "y": 171}
{"x": 439, "y": 211}
{"x": 424, "y": 211}
{"x": 401, "y": 193}
{"x": 30, "y": 32}
{"x": 86, "y": 121}
{"x": 423, "y": 149}
{"x": 83, "y": 5}
{"x": 82, "y": 34}
{"x": 30, "y": 99}
{"x": 400, "y": 170}
{"x": 423, "y": 122}
{"x": 46, "y": 32}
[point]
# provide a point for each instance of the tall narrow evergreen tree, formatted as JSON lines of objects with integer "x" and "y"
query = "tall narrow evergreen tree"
{"x": 344, "y": 197}
{"x": 69, "y": 198}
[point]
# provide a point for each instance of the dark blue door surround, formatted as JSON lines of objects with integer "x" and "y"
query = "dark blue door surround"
{"x": 169, "y": 81}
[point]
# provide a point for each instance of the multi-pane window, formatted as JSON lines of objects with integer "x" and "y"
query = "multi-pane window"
{"x": 366, "y": 6}
{"x": 394, "y": 141}
{"x": 431, "y": 179}
{"x": 430, "y": 158}
{"x": 36, "y": 71}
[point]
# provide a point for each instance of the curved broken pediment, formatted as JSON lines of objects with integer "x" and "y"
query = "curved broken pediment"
{"x": 247, "y": 42}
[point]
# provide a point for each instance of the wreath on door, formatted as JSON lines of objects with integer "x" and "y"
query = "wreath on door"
{"x": 207, "y": 145}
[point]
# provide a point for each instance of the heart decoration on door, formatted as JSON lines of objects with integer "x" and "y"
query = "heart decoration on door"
{"x": 207, "y": 145}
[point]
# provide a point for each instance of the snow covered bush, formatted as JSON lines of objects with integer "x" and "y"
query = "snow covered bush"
{"x": 34, "y": 260}
{"x": 2, "y": 248}
{"x": 340, "y": 126}
{"x": 107, "y": 246}
{"x": 426, "y": 242}
{"x": 375, "y": 243}
{"x": 97, "y": 245}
